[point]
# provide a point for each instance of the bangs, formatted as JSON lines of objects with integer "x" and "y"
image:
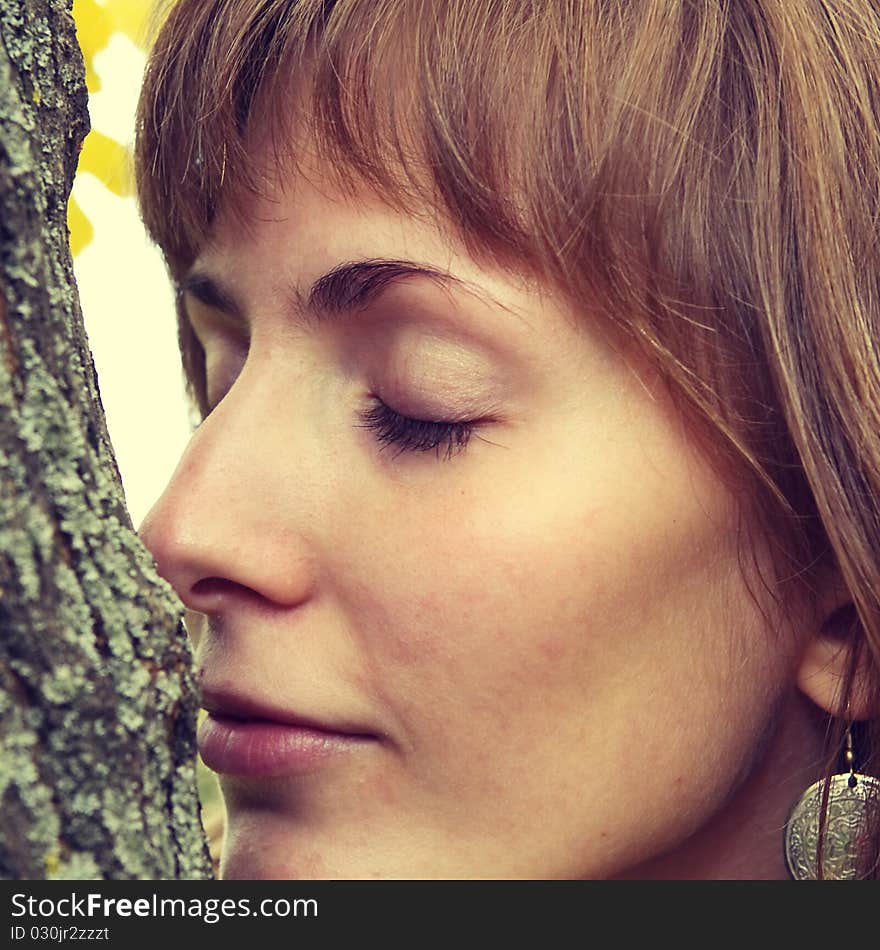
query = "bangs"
{"x": 365, "y": 84}
{"x": 524, "y": 122}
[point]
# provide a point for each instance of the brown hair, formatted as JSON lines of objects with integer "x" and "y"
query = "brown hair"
{"x": 706, "y": 174}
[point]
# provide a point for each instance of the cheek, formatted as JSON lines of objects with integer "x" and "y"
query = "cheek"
{"x": 480, "y": 580}
{"x": 475, "y": 611}
{"x": 484, "y": 604}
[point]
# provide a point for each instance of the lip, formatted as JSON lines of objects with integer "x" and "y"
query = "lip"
{"x": 242, "y": 737}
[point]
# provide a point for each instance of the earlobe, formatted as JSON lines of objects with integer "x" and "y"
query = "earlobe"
{"x": 835, "y": 658}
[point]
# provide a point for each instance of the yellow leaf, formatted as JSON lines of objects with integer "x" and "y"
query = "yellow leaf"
{"x": 130, "y": 17}
{"x": 93, "y": 29}
{"x": 81, "y": 230}
{"x": 108, "y": 161}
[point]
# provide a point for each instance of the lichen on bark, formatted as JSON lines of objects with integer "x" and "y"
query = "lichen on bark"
{"x": 97, "y": 700}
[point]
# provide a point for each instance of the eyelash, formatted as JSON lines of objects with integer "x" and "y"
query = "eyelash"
{"x": 415, "y": 435}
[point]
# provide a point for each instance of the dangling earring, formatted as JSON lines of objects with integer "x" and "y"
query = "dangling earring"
{"x": 853, "y": 810}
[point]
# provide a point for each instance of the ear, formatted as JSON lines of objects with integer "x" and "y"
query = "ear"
{"x": 827, "y": 662}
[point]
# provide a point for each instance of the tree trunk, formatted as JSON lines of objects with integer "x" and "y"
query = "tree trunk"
{"x": 97, "y": 700}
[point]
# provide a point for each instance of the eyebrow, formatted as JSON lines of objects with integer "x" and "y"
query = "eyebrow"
{"x": 346, "y": 289}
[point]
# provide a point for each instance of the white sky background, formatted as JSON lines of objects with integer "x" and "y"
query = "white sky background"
{"x": 128, "y": 305}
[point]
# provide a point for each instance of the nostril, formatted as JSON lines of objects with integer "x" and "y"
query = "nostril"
{"x": 213, "y": 594}
{"x": 215, "y": 586}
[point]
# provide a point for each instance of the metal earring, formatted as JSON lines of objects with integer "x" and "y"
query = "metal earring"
{"x": 853, "y": 810}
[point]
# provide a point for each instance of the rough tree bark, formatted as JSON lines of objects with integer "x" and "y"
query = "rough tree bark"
{"x": 97, "y": 704}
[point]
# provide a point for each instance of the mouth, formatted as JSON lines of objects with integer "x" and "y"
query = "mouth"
{"x": 241, "y": 737}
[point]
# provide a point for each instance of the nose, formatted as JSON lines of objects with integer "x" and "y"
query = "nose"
{"x": 226, "y": 529}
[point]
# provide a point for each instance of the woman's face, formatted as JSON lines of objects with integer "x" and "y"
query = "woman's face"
{"x": 510, "y": 640}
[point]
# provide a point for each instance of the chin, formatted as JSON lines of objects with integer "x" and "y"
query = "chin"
{"x": 267, "y": 850}
{"x": 271, "y": 861}
{"x": 250, "y": 864}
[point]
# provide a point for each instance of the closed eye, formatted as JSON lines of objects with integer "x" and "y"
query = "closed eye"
{"x": 416, "y": 435}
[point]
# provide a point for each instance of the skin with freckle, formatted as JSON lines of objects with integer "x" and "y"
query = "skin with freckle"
{"x": 514, "y": 621}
